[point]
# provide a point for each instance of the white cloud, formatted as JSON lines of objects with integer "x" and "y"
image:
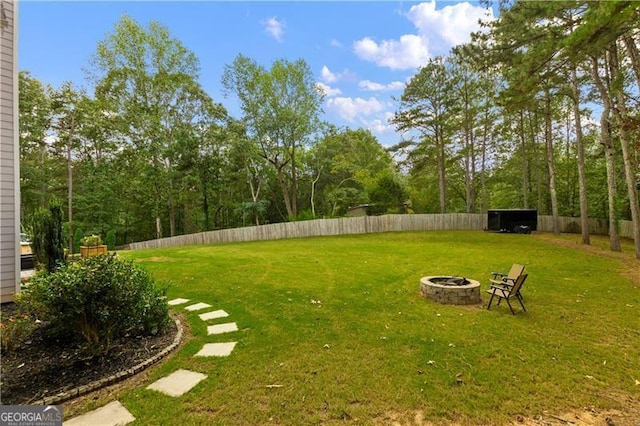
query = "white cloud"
{"x": 410, "y": 51}
{"x": 437, "y": 32}
{"x": 335, "y": 43}
{"x": 274, "y": 27}
{"x": 377, "y": 87}
{"x": 327, "y": 75}
{"x": 327, "y": 90}
{"x": 349, "y": 108}
{"x": 379, "y": 126}
{"x": 330, "y": 77}
{"x": 451, "y": 25}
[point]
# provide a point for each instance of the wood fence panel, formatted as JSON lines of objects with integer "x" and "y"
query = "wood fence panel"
{"x": 367, "y": 225}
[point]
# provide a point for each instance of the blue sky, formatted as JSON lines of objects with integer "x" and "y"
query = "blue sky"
{"x": 361, "y": 52}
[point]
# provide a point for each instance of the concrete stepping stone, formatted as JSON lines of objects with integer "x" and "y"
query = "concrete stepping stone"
{"x": 177, "y": 383}
{"x": 197, "y": 306}
{"x": 222, "y": 328}
{"x": 216, "y": 349}
{"x": 213, "y": 315}
{"x": 177, "y": 301}
{"x": 112, "y": 414}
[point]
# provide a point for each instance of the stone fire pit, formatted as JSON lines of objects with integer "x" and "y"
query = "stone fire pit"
{"x": 451, "y": 290}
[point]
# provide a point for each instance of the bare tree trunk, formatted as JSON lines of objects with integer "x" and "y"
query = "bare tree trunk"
{"x": 550, "y": 166}
{"x": 525, "y": 163}
{"x": 633, "y": 54}
{"x": 158, "y": 227}
{"x": 70, "y": 197}
{"x": 285, "y": 193}
{"x": 442, "y": 182}
{"x": 483, "y": 163}
{"x": 255, "y": 194}
{"x": 172, "y": 216}
{"x": 205, "y": 202}
{"x": 533, "y": 127}
{"x": 313, "y": 192}
{"x": 582, "y": 176}
{"x": 620, "y": 113}
{"x": 605, "y": 139}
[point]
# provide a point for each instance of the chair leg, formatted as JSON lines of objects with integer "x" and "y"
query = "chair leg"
{"x": 491, "y": 300}
{"x": 510, "y": 307}
{"x": 521, "y": 304}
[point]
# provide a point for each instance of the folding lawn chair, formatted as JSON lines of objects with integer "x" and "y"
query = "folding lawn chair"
{"x": 506, "y": 293}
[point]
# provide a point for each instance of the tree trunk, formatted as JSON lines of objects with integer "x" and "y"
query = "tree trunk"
{"x": 533, "y": 127}
{"x": 620, "y": 113}
{"x": 441, "y": 172}
{"x": 483, "y": 163}
{"x": 634, "y": 55}
{"x": 550, "y": 166}
{"x": 255, "y": 194}
{"x": 172, "y": 215}
{"x": 582, "y": 176}
{"x": 285, "y": 193}
{"x": 525, "y": 162}
{"x": 313, "y": 192}
{"x": 605, "y": 139}
{"x": 158, "y": 227}
{"x": 205, "y": 202}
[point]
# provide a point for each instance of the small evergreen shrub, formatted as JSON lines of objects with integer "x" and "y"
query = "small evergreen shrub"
{"x": 99, "y": 299}
{"x": 47, "y": 243}
{"x": 78, "y": 235}
{"x": 110, "y": 240}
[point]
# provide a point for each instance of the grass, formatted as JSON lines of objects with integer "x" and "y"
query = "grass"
{"x": 374, "y": 351}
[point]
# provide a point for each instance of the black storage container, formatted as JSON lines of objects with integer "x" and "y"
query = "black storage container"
{"x": 521, "y": 221}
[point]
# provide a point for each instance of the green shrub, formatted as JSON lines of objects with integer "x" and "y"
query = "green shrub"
{"x": 78, "y": 235}
{"x": 110, "y": 240}
{"x": 46, "y": 225}
{"x": 92, "y": 240}
{"x": 99, "y": 298}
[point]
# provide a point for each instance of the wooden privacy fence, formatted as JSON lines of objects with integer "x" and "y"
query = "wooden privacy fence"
{"x": 363, "y": 225}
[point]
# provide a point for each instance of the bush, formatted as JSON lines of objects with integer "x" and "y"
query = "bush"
{"x": 99, "y": 299}
{"x": 78, "y": 235}
{"x": 110, "y": 240}
{"x": 92, "y": 240}
{"x": 46, "y": 225}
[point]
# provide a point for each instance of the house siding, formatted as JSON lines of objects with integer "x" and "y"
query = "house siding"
{"x": 9, "y": 155}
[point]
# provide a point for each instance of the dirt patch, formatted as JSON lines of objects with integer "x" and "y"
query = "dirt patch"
{"x": 44, "y": 367}
{"x": 630, "y": 266}
{"x": 585, "y": 417}
{"x": 155, "y": 259}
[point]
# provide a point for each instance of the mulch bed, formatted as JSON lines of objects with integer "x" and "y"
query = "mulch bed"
{"x": 44, "y": 367}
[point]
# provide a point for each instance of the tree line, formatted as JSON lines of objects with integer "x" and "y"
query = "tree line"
{"x": 538, "y": 111}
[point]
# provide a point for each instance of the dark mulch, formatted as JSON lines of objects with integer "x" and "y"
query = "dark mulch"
{"x": 43, "y": 367}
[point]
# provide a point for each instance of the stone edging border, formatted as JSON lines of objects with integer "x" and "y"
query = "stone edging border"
{"x": 99, "y": 384}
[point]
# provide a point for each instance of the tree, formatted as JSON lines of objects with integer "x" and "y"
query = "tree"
{"x": 67, "y": 119}
{"x": 35, "y": 124}
{"x": 346, "y": 165}
{"x": 427, "y": 106}
{"x": 281, "y": 108}
{"x": 147, "y": 80}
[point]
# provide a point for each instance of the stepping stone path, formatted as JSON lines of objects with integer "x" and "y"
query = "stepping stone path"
{"x": 175, "y": 384}
{"x": 178, "y": 382}
{"x": 113, "y": 413}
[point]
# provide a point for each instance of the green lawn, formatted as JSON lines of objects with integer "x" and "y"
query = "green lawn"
{"x": 375, "y": 351}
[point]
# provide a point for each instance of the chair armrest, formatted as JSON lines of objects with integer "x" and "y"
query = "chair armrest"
{"x": 496, "y": 275}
